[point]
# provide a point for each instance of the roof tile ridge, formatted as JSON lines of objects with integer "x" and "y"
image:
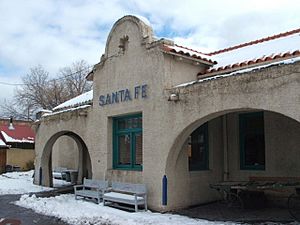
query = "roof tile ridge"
{"x": 269, "y": 38}
{"x": 190, "y": 49}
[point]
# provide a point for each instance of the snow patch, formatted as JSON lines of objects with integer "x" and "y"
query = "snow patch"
{"x": 79, "y": 212}
{"x": 19, "y": 183}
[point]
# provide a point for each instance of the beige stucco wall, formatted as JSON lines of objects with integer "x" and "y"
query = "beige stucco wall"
{"x": 167, "y": 124}
{"x": 20, "y": 157}
{"x": 65, "y": 153}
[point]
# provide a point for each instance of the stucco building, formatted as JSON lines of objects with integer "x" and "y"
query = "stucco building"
{"x": 17, "y": 144}
{"x": 158, "y": 109}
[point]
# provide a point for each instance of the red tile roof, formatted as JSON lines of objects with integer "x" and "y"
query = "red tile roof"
{"x": 184, "y": 51}
{"x": 21, "y": 133}
{"x": 261, "y": 51}
{"x": 274, "y": 48}
{"x": 255, "y": 42}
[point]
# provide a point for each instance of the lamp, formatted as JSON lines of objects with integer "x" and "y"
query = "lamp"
{"x": 174, "y": 97}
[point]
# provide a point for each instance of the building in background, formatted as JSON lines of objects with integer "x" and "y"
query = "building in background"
{"x": 19, "y": 138}
{"x": 3, "y": 148}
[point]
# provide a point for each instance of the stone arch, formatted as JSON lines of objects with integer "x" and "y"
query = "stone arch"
{"x": 84, "y": 166}
{"x": 145, "y": 31}
{"x": 193, "y": 123}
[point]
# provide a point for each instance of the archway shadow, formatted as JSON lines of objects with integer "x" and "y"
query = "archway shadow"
{"x": 84, "y": 166}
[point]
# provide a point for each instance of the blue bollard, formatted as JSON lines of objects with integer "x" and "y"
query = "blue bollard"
{"x": 164, "y": 190}
{"x": 40, "y": 176}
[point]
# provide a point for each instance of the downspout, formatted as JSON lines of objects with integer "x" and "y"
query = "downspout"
{"x": 225, "y": 149}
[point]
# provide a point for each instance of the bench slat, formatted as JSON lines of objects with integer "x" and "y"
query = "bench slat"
{"x": 131, "y": 194}
{"x": 96, "y": 188}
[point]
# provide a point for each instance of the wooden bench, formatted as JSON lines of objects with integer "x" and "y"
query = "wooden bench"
{"x": 127, "y": 193}
{"x": 59, "y": 173}
{"x": 91, "y": 189}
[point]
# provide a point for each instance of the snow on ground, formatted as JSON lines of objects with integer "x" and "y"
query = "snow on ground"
{"x": 19, "y": 183}
{"x": 80, "y": 212}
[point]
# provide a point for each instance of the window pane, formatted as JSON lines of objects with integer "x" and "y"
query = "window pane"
{"x": 130, "y": 123}
{"x": 198, "y": 149}
{"x": 121, "y": 124}
{"x": 254, "y": 149}
{"x": 139, "y": 149}
{"x": 124, "y": 150}
{"x": 252, "y": 141}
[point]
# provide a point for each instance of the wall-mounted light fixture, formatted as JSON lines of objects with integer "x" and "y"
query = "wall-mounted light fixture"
{"x": 11, "y": 127}
{"x": 174, "y": 97}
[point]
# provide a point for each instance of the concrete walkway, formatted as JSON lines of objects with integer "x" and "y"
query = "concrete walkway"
{"x": 221, "y": 212}
{"x": 8, "y": 210}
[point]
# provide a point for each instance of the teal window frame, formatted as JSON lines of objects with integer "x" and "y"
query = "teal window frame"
{"x": 259, "y": 131}
{"x": 131, "y": 132}
{"x": 201, "y": 165}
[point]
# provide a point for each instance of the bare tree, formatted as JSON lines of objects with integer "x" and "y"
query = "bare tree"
{"x": 74, "y": 78}
{"x": 39, "y": 91}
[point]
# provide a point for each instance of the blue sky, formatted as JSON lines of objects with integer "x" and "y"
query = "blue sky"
{"x": 55, "y": 33}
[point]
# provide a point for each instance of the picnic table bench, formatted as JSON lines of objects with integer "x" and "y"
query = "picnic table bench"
{"x": 91, "y": 189}
{"x": 59, "y": 173}
{"x": 233, "y": 191}
{"x": 126, "y": 193}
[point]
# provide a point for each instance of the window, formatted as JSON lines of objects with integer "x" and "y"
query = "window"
{"x": 198, "y": 149}
{"x": 252, "y": 141}
{"x": 128, "y": 142}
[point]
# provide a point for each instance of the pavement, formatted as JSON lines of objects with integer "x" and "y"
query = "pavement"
{"x": 11, "y": 214}
{"x": 218, "y": 211}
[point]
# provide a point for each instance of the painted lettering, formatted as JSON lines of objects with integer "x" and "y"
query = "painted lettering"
{"x": 114, "y": 97}
{"x": 122, "y": 95}
{"x": 108, "y": 101}
{"x": 144, "y": 91}
{"x": 102, "y": 100}
{"x": 136, "y": 92}
{"x": 127, "y": 95}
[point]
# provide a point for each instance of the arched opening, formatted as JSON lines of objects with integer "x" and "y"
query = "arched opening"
{"x": 235, "y": 145}
{"x": 65, "y": 150}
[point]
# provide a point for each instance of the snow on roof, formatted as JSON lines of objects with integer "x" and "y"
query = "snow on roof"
{"x": 20, "y": 134}
{"x": 2, "y": 144}
{"x": 9, "y": 139}
{"x": 144, "y": 19}
{"x": 258, "y": 51}
{"x": 238, "y": 72}
{"x": 188, "y": 53}
{"x": 82, "y": 99}
{"x": 261, "y": 51}
{"x": 66, "y": 110}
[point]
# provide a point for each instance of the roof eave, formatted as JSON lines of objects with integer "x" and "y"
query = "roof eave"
{"x": 189, "y": 58}
{"x": 230, "y": 70}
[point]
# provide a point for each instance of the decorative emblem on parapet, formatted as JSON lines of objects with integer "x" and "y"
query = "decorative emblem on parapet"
{"x": 124, "y": 95}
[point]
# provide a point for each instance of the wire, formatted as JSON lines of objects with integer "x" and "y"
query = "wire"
{"x": 55, "y": 79}
{"x": 5, "y": 83}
